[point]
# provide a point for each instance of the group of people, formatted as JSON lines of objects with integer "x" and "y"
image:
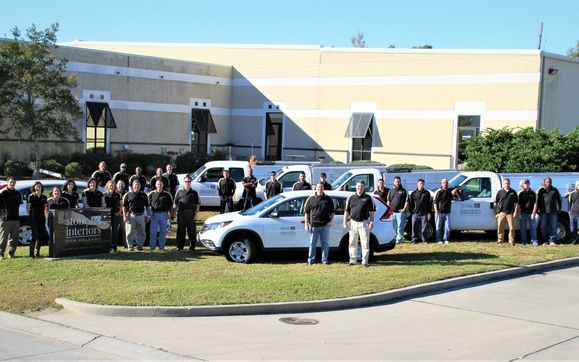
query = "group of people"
{"x": 131, "y": 208}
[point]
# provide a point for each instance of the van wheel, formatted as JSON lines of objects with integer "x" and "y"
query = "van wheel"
{"x": 25, "y": 233}
{"x": 240, "y": 249}
{"x": 430, "y": 229}
{"x": 563, "y": 230}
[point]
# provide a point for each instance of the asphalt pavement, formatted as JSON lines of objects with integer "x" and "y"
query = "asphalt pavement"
{"x": 533, "y": 318}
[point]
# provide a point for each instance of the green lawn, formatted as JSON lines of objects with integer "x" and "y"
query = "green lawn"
{"x": 202, "y": 278}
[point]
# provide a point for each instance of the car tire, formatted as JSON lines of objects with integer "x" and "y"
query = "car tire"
{"x": 563, "y": 230}
{"x": 430, "y": 229}
{"x": 25, "y": 233}
{"x": 240, "y": 248}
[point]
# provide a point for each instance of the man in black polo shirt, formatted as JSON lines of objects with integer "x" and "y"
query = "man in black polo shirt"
{"x": 158, "y": 176}
{"x": 319, "y": 213}
{"x": 420, "y": 206}
{"x": 505, "y": 204}
{"x": 135, "y": 203}
{"x": 10, "y": 200}
{"x": 442, "y": 208}
{"x": 138, "y": 176}
{"x": 187, "y": 206}
{"x": 102, "y": 176}
{"x": 324, "y": 181}
{"x": 226, "y": 187}
{"x": 398, "y": 201}
{"x": 527, "y": 199}
{"x": 548, "y": 206}
{"x": 382, "y": 191}
{"x": 302, "y": 184}
{"x": 249, "y": 184}
{"x": 273, "y": 186}
{"x": 122, "y": 175}
{"x": 161, "y": 207}
{"x": 172, "y": 178}
{"x": 359, "y": 211}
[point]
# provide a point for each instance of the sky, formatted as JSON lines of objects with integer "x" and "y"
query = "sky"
{"x": 466, "y": 24}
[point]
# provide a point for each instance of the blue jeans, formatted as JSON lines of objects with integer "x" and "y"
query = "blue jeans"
{"x": 158, "y": 224}
{"x": 398, "y": 224}
{"x": 526, "y": 219}
{"x": 550, "y": 234}
{"x": 442, "y": 225}
{"x": 322, "y": 233}
{"x": 573, "y": 226}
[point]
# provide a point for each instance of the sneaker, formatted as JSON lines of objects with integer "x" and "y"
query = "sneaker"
{"x": 552, "y": 243}
{"x": 440, "y": 242}
{"x": 140, "y": 248}
{"x": 326, "y": 262}
{"x": 132, "y": 248}
{"x": 352, "y": 263}
{"x": 11, "y": 255}
{"x": 446, "y": 242}
{"x": 366, "y": 265}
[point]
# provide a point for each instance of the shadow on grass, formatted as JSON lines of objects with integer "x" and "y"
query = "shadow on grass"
{"x": 436, "y": 258}
{"x": 146, "y": 255}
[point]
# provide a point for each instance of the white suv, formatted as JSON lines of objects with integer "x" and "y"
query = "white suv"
{"x": 278, "y": 223}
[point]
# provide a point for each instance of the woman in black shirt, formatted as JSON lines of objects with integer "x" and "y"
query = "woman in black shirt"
{"x": 37, "y": 210}
{"x": 92, "y": 197}
{"x": 69, "y": 193}
{"x": 113, "y": 201}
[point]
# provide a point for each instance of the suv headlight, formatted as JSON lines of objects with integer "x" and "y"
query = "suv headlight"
{"x": 213, "y": 226}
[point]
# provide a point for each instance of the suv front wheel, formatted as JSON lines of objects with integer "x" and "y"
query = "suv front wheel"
{"x": 240, "y": 249}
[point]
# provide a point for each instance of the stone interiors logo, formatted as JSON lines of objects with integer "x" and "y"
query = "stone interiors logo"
{"x": 84, "y": 227}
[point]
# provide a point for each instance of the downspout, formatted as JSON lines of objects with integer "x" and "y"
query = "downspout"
{"x": 539, "y": 122}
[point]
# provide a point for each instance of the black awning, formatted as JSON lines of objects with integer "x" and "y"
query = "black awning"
{"x": 99, "y": 115}
{"x": 203, "y": 121}
{"x": 358, "y": 125}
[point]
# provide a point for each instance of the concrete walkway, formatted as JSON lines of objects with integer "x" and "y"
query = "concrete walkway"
{"x": 534, "y": 317}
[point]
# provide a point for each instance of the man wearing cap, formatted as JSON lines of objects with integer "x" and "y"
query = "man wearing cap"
{"x": 324, "y": 181}
{"x": 526, "y": 211}
{"x": 273, "y": 186}
{"x": 548, "y": 206}
{"x": 122, "y": 175}
{"x": 574, "y": 213}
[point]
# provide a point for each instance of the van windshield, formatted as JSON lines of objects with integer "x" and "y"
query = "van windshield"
{"x": 263, "y": 205}
{"x": 340, "y": 180}
{"x": 456, "y": 180}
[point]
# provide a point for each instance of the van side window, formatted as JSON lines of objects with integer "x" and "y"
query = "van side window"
{"x": 236, "y": 174}
{"x": 289, "y": 179}
{"x": 339, "y": 205}
{"x": 477, "y": 187}
{"x": 293, "y": 207}
{"x": 213, "y": 175}
{"x": 367, "y": 178}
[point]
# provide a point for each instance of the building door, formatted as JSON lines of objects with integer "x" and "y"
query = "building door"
{"x": 273, "y": 135}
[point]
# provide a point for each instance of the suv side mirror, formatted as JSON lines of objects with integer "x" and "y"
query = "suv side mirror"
{"x": 203, "y": 178}
{"x": 274, "y": 214}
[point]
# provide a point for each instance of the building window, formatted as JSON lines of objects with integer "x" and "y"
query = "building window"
{"x": 359, "y": 130}
{"x": 99, "y": 119}
{"x": 201, "y": 125}
{"x": 468, "y": 127}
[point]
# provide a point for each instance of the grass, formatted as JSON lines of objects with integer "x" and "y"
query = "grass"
{"x": 203, "y": 278}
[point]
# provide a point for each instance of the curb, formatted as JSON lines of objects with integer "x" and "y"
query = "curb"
{"x": 315, "y": 306}
{"x": 85, "y": 340}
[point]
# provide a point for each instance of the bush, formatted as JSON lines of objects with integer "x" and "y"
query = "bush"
{"x": 16, "y": 169}
{"x": 52, "y": 165}
{"x": 189, "y": 162}
{"x": 408, "y": 166}
{"x": 73, "y": 170}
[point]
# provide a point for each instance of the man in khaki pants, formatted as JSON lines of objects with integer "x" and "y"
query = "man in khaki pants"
{"x": 505, "y": 205}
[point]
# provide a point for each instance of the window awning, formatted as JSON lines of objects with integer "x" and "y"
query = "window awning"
{"x": 100, "y": 115}
{"x": 203, "y": 121}
{"x": 358, "y": 125}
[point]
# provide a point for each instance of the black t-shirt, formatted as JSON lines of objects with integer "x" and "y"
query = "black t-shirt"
{"x": 37, "y": 205}
{"x": 135, "y": 202}
{"x": 160, "y": 201}
{"x": 443, "y": 199}
{"x": 359, "y": 207}
{"x": 112, "y": 201}
{"x": 302, "y": 186}
{"x": 122, "y": 176}
{"x": 187, "y": 200}
{"x": 383, "y": 195}
{"x": 527, "y": 200}
{"x": 93, "y": 198}
{"x": 61, "y": 203}
{"x": 102, "y": 177}
{"x": 142, "y": 180}
{"x": 549, "y": 200}
{"x": 249, "y": 191}
{"x": 173, "y": 182}
{"x": 273, "y": 188}
{"x": 574, "y": 203}
{"x": 420, "y": 202}
{"x": 506, "y": 200}
{"x": 226, "y": 187}
{"x": 327, "y": 186}
{"x": 153, "y": 183}
{"x": 72, "y": 199}
{"x": 10, "y": 200}
{"x": 320, "y": 208}
{"x": 397, "y": 198}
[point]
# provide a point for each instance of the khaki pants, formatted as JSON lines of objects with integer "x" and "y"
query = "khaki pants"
{"x": 9, "y": 233}
{"x": 359, "y": 230}
{"x": 501, "y": 217}
{"x": 135, "y": 228}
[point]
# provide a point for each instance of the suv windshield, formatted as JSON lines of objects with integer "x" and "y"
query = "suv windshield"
{"x": 263, "y": 205}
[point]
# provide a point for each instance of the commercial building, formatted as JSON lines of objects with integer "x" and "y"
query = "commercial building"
{"x": 303, "y": 102}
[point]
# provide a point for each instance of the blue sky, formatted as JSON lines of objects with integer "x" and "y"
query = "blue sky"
{"x": 443, "y": 24}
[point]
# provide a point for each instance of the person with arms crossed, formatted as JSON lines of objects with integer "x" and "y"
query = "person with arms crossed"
{"x": 273, "y": 186}
{"x": 398, "y": 201}
{"x": 186, "y": 205}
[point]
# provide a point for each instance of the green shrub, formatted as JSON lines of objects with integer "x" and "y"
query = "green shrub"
{"x": 408, "y": 166}
{"x": 52, "y": 165}
{"x": 73, "y": 170}
{"x": 16, "y": 169}
{"x": 189, "y": 162}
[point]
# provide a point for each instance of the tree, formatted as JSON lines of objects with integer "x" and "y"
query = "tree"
{"x": 358, "y": 40}
{"x": 523, "y": 150}
{"x": 574, "y": 52}
{"x": 425, "y": 46}
{"x": 36, "y": 93}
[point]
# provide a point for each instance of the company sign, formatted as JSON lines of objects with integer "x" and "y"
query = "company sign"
{"x": 79, "y": 232}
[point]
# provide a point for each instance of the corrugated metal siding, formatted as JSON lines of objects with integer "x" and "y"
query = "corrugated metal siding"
{"x": 560, "y": 98}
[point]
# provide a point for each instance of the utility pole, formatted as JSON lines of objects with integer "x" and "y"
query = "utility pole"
{"x": 540, "y": 37}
